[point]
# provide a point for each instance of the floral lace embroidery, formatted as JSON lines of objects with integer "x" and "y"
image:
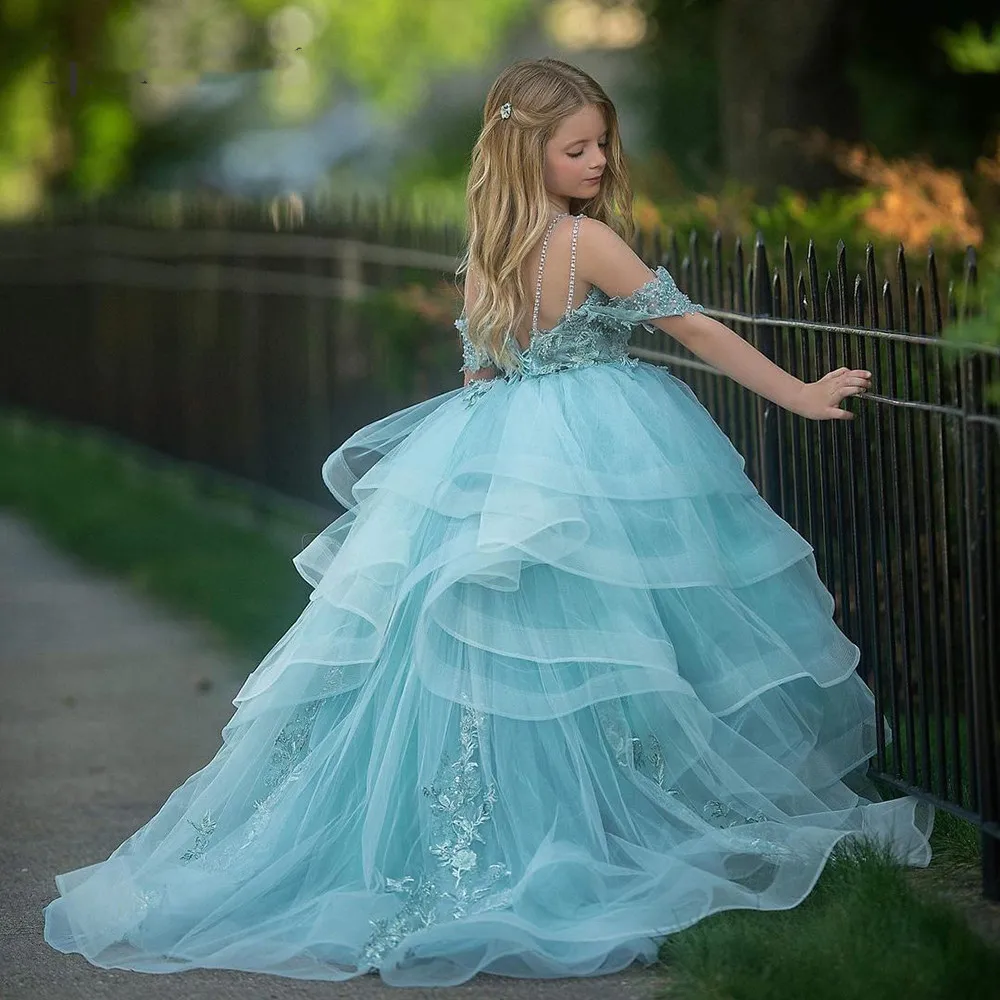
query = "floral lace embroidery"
{"x": 459, "y": 806}
{"x": 649, "y": 761}
{"x": 573, "y": 345}
{"x": 596, "y": 332}
{"x": 627, "y": 747}
{"x": 475, "y": 389}
{"x": 290, "y": 746}
{"x": 204, "y": 829}
{"x": 418, "y": 909}
{"x": 118, "y": 914}
{"x": 721, "y": 815}
{"x": 555, "y": 356}
{"x": 472, "y": 358}
{"x": 659, "y": 297}
{"x": 142, "y": 902}
{"x": 284, "y": 766}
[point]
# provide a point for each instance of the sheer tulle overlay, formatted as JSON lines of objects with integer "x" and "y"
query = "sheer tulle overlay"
{"x": 565, "y": 684}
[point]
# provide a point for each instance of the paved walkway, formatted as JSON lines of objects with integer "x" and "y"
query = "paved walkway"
{"x": 107, "y": 704}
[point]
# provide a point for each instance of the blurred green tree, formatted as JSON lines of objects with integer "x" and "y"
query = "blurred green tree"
{"x": 81, "y": 84}
{"x": 738, "y": 87}
{"x": 972, "y": 51}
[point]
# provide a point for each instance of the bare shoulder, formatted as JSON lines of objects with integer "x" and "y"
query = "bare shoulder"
{"x": 604, "y": 259}
{"x": 598, "y": 237}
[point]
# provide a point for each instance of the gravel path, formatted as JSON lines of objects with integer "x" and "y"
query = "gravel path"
{"x": 107, "y": 703}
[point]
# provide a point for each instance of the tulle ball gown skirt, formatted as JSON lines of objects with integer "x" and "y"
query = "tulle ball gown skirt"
{"x": 565, "y": 684}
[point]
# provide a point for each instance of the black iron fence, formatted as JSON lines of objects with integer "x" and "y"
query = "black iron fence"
{"x": 254, "y": 352}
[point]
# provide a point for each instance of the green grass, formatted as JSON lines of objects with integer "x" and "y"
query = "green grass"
{"x": 156, "y": 529}
{"x": 956, "y": 843}
{"x": 862, "y": 934}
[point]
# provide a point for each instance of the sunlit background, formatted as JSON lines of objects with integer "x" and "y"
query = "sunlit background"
{"x": 833, "y": 113}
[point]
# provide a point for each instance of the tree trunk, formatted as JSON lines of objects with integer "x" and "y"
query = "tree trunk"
{"x": 781, "y": 66}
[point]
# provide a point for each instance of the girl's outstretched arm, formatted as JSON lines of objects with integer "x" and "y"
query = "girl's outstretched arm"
{"x": 606, "y": 260}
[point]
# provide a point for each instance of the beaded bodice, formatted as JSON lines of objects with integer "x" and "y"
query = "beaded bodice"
{"x": 596, "y": 332}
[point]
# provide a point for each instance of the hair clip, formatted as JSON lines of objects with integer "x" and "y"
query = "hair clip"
{"x": 505, "y": 111}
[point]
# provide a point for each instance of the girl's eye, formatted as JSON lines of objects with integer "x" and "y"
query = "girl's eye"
{"x": 574, "y": 156}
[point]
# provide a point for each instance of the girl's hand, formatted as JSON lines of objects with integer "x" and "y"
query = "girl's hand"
{"x": 821, "y": 400}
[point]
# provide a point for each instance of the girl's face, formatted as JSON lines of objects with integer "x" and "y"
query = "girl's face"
{"x": 574, "y": 156}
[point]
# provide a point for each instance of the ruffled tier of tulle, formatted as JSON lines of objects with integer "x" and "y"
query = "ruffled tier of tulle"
{"x": 553, "y": 553}
{"x": 565, "y": 684}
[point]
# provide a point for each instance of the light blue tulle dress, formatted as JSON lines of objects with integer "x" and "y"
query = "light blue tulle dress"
{"x": 565, "y": 684}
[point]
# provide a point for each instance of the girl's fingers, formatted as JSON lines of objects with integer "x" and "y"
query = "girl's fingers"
{"x": 854, "y": 390}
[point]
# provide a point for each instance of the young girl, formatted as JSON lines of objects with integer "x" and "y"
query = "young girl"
{"x": 565, "y": 683}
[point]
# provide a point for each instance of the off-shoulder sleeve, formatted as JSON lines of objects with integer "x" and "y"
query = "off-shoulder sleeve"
{"x": 659, "y": 297}
{"x": 472, "y": 358}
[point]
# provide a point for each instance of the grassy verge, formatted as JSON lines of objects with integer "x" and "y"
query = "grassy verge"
{"x": 867, "y": 931}
{"x": 864, "y": 933}
{"x": 153, "y": 526}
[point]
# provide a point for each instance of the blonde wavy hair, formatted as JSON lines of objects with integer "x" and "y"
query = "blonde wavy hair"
{"x": 507, "y": 210}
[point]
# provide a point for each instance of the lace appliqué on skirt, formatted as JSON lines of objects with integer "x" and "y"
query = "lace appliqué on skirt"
{"x": 462, "y": 883}
{"x": 283, "y": 767}
{"x": 647, "y": 760}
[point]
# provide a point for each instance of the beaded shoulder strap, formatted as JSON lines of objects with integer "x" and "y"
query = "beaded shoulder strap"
{"x": 572, "y": 263}
{"x": 541, "y": 268}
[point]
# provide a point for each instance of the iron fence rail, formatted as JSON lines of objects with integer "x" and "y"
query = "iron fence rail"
{"x": 250, "y": 351}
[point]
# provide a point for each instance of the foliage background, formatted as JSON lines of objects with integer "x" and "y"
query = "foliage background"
{"x": 821, "y": 119}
